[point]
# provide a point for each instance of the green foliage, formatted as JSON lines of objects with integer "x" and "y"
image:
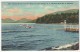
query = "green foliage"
{"x": 70, "y": 17}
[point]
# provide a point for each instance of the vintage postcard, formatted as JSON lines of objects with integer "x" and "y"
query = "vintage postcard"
{"x": 40, "y": 25}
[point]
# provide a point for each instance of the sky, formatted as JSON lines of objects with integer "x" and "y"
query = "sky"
{"x": 33, "y": 10}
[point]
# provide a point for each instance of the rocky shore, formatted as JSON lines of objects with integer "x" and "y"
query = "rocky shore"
{"x": 73, "y": 46}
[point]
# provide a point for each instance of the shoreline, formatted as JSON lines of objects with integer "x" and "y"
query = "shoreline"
{"x": 18, "y": 23}
{"x": 43, "y": 23}
{"x": 72, "y": 46}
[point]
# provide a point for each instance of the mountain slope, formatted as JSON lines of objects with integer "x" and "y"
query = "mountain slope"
{"x": 7, "y": 20}
{"x": 67, "y": 11}
{"x": 23, "y": 20}
{"x": 72, "y": 16}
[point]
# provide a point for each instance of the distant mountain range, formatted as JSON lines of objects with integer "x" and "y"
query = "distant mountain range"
{"x": 23, "y": 20}
{"x": 8, "y": 20}
{"x": 48, "y": 17}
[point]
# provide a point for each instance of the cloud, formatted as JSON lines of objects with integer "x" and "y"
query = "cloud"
{"x": 28, "y": 13}
{"x": 28, "y": 6}
{"x": 4, "y": 16}
{"x": 41, "y": 5}
{"x": 14, "y": 10}
{"x": 4, "y": 6}
{"x": 47, "y": 8}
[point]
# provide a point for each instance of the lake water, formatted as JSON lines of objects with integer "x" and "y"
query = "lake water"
{"x": 40, "y": 36}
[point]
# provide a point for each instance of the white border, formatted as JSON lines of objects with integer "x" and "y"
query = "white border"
{"x": 0, "y": 25}
{"x": 37, "y": 0}
{"x": 40, "y": 0}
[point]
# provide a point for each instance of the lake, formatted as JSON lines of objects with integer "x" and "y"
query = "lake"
{"x": 15, "y": 36}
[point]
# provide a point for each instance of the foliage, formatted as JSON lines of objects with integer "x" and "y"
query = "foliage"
{"x": 59, "y": 17}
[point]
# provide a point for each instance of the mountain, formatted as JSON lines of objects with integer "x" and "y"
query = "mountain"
{"x": 23, "y": 20}
{"x": 67, "y": 11}
{"x": 71, "y": 16}
{"x": 7, "y": 20}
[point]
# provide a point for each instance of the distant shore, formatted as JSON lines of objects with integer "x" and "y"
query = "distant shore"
{"x": 72, "y": 46}
{"x": 49, "y": 23}
{"x": 18, "y": 23}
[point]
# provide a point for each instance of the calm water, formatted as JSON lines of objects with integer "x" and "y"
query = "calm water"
{"x": 40, "y": 36}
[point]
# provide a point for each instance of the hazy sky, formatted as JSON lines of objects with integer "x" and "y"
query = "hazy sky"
{"x": 32, "y": 10}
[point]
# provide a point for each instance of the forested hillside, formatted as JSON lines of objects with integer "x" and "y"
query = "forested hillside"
{"x": 71, "y": 16}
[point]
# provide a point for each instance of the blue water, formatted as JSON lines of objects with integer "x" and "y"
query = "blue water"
{"x": 40, "y": 36}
